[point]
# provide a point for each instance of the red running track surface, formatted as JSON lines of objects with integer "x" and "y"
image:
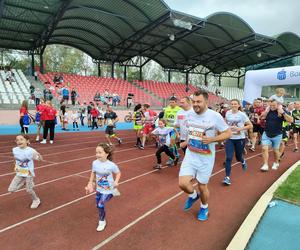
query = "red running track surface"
{"x": 147, "y": 215}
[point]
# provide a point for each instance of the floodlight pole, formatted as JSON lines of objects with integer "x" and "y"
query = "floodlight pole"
{"x": 125, "y": 72}
{"x": 32, "y": 63}
{"x": 99, "y": 69}
{"x": 41, "y": 63}
{"x": 113, "y": 70}
{"x": 141, "y": 73}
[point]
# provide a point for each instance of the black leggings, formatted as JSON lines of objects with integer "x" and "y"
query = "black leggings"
{"x": 165, "y": 149}
{"x": 24, "y": 130}
{"x": 49, "y": 124}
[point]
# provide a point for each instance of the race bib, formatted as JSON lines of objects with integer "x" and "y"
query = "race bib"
{"x": 103, "y": 183}
{"x": 195, "y": 143}
{"x": 297, "y": 122}
{"x": 110, "y": 122}
{"x": 22, "y": 171}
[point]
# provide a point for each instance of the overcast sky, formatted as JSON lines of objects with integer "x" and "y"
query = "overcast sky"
{"x": 267, "y": 17}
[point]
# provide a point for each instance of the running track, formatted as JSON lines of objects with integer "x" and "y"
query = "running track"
{"x": 147, "y": 215}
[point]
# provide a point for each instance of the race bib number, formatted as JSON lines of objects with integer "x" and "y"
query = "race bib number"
{"x": 195, "y": 143}
{"x": 297, "y": 122}
{"x": 110, "y": 122}
{"x": 103, "y": 183}
{"x": 22, "y": 171}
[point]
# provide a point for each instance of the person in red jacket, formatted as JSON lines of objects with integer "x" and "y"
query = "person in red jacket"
{"x": 94, "y": 114}
{"x": 23, "y": 112}
{"x": 49, "y": 114}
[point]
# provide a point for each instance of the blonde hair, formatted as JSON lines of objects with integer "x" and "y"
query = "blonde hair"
{"x": 280, "y": 90}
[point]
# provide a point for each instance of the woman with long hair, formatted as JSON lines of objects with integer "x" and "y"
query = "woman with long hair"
{"x": 23, "y": 117}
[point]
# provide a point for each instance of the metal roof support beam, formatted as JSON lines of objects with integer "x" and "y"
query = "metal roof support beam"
{"x": 99, "y": 68}
{"x": 125, "y": 72}
{"x": 41, "y": 63}
{"x": 141, "y": 73}
{"x": 32, "y": 64}
{"x": 178, "y": 37}
{"x": 137, "y": 36}
{"x": 169, "y": 76}
{"x": 22, "y": 21}
{"x": 256, "y": 48}
{"x": 52, "y": 25}
{"x": 28, "y": 8}
{"x": 113, "y": 70}
{"x": 220, "y": 80}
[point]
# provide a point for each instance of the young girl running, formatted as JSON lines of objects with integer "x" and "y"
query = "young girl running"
{"x": 102, "y": 177}
{"x": 164, "y": 140}
{"x": 24, "y": 168}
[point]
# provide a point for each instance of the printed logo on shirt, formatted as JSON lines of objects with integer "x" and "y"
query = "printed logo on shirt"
{"x": 22, "y": 168}
{"x": 195, "y": 144}
{"x": 103, "y": 182}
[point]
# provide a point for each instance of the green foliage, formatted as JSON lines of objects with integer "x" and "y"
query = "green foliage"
{"x": 290, "y": 188}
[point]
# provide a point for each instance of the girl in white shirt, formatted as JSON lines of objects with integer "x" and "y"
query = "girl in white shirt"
{"x": 24, "y": 168}
{"x": 102, "y": 178}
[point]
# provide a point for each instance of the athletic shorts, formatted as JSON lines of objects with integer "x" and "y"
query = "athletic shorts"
{"x": 148, "y": 128}
{"x": 257, "y": 129}
{"x": 296, "y": 130}
{"x": 109, "y": 130}
{"x": 271, "y": 141}
{"x": 197, "y": 166}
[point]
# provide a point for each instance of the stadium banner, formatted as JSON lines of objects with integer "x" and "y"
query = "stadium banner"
{"x": 256, "y": 79}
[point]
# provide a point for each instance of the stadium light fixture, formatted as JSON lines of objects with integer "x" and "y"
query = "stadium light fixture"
{"x": 182, "y": 24}
{"x": 171, "y": 37}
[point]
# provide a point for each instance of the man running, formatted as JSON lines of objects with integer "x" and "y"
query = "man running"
{"x": 296, "y": 124}
{"x": 203, "y": 125}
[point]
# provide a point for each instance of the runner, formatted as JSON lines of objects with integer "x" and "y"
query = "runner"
{"x": 296, "y": 124}
{"x": 110, "y": 119}
{"x": 149, "y": 120}
{"x": 255, "y": 113}
{"x": 198, "y": 162}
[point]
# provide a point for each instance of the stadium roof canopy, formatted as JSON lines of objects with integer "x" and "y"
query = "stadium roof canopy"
{"x": 118, "y": 30}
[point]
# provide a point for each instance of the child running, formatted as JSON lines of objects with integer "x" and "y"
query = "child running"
{"x": 102, "y": 177}
{"x": 164, "y": 141}
{"x": 24, "y": 168}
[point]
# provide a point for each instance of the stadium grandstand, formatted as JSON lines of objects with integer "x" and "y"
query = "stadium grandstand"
{"x": 115, "y": 32}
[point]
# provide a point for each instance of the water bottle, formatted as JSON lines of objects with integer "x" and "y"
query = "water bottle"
{"x": 272, "y": 204}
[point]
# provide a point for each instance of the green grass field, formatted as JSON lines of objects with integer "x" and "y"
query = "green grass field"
{"x": 290, "y": 188}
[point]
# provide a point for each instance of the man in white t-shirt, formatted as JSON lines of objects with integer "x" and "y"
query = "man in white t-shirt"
{"x": 181, "y": 118}
{"x": 203, "y": 125}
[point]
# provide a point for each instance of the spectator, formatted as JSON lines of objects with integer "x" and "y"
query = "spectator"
{"x": 73, "y": 96}
{"x": 272, "y": 135}
{"x": 35, "y": 75}
{"x": 65, "y": 95}
{"x": 24, "y": 117}
{"x": 50, "y": 117}
{"x": 37, "y": 95}
{"x": 129, "y": 100}
{"x": 61, "y": 79}
{"x": 56, "y": 79}
{"x": 115, "y": 99}
{"x": 32, "y": 89}
{"x": 82, "y": 114}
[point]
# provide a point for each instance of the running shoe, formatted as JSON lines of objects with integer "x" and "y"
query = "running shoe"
{"x": 190, "y": 201}
{"x": 120, "y": 141}
{"x": 275, "y": 166}
{"x": 157, "y": 166}
{"x": 37, "y": 138}
{"x": 295, "y": 150}
{"x": 252, "y": 149}
{"x": 203, "y": 214}
{"x": 170, "y": 162}
{"x": 176, "y": 161}
{"x": 244, "y": 165}
{"x": 227, "y": 181}
{"x": 43, "y": 142}
{"x": 264, "y": 168}
{"x": 51, "y": 142}
{"x": 141, "y": 147}
{"x": 35, "y": 203}
{"x": 101, "y": 225}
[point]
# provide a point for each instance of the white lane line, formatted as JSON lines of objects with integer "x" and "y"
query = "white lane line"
{"x": 81, "y": 198}
{"x": 62, "y": 162}
{"x": 78, "y": 174}
{"x": 116, "y": 234}
{"x": 44, "y": 147}
{"x": 65, "y": 204}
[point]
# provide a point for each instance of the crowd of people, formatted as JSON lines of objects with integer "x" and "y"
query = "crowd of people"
{"x": 186, "y": 126}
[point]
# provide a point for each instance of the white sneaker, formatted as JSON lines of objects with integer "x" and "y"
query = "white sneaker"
{"x": 37, "y": 138}
{"x": 264, "y": 168}
{"x": 101, "y": 225}
{"x": 275, "y": 166}
{"x": 35, "y": 203}
{"x": 116, "y": 192}
{"x": 51, "y": 142}
{"x": 43, "y": 142}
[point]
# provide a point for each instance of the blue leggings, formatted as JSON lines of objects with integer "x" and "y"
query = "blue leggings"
{"x": 233, "y": 146}
{"x": 101, "y": 199}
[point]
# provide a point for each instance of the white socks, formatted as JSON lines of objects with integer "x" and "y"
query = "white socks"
{"x": 193, "y": 195}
